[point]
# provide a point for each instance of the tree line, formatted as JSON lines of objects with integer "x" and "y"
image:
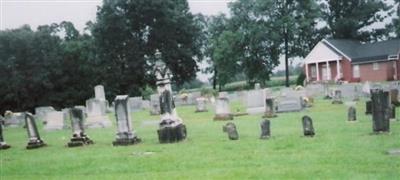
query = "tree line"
{"x": 58, "y": 65}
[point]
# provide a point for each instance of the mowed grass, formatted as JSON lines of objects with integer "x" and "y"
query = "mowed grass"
{"x": 340, "y": 150}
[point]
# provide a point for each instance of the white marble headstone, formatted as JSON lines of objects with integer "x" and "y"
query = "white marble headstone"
{"x": 55, "y": 121}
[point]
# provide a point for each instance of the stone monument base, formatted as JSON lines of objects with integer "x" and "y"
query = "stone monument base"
{"x": 4, "y": 146}
{"x": 223, "y": 117}
{"x": 79, "y": 141}
{"x": 126, "y": 141}
{"x": 171, "y": 134}
{"x": 33, "y": 144}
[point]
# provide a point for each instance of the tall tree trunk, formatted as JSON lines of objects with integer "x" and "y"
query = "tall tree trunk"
{"x": 215, "y": 79}
{"x": 286, "y": 57}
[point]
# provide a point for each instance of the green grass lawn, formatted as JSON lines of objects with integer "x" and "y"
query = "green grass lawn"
{"x": 340, "y": 150}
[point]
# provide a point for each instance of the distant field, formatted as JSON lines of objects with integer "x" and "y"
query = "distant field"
{"x": 340, "y": 150}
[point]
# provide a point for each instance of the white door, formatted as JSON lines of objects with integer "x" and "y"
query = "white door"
{"x": 324, "y": 73}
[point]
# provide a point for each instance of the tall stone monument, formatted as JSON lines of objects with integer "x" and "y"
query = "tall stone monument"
{"x": 171, "y": 127}
{"x": 79, "y": 137}
{"x": 3, "y": 144}
{"x": 99, "y": 92}
{"x": 125, "y": 135}
{"x": 380, "y": 110}
{"x": 33, "y": 134}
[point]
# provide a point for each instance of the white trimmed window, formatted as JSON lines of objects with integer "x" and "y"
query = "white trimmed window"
{"x": 356, "y": 71}
{"x": 375, "y": 66}
{"x": 313, "y": 71}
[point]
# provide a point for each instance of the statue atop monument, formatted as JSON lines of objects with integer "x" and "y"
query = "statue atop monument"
{"x": 171, "y": 128}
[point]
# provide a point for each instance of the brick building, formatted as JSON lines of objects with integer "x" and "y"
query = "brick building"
{"x": 352, "y": 61}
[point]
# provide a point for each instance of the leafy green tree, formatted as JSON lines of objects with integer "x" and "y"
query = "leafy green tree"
{"x": 353, "y": 19}
{"x": 395, "y": 25}
{"x": 127, "y": 34}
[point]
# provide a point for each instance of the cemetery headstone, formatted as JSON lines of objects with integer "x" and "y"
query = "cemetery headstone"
{"x": 257, "y": 86}
{"x": 135, "y": 104}
{"x": 33, "y": 134}
{"x": 79, "y": 137}
{"x": 154, "y": 104}
{"x": 171, "y": 127}
{"x": 392, "y": 112}
{"x": 265, "y": 129}
{"x": 222, "y": 109}
{"x": 55, "y": 121}
{"x": 40, "y": 112}
{"x": 201, "y": 105}
{"x": 356, "y": 95}
{"x": 337, "y": 98}
{"x": 255, "y": 101}
{"x": 351, "y": 114}
{"x": 230, "y": 128}
{"x": 125, "y": 135}
{"x": 380, "y": 110}
{"x": 13, "y": 119}
{"x": 3, "y": 144}
{"x": 99, "y": 92}
{"x": 368, "y": 107}
{"x": 394, "y": 94}
{"x": 326, "y": 91}
{"x": 366, "y": 89}
{"x": 290, "y": 104}
{"x": 270, "y": 108}
{"x": 308, "y": 128}
{"x": 96, "y": 114}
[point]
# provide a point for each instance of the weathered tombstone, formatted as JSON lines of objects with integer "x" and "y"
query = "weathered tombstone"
{"x": 368, "y": 107}
{"x": 290, "y": 104}
{"x": 135, "y": 104}
{"x": 394, "y": 152}
{"x": 99, "y": 92}
{"x": 337, "y": 98}
{"x": 366, "y": 89}
{"x": 356, "y": 95}
{"x": 352, "y": 114}
{"x": 201, "y": 105}
{"x": 380, "y": 110}
{"x": 392, "y": 112}
{"x": 257, "y": 86}
{"x": 270, "y": 108}
{"x": 394, "y": 93}
{"x": 55, "y": 121}
{"x": 154, "y": 104}
{"x": 13, "y": 119}
{"x": 125, "y": 135}
{"x": 222, "y": 109}
{"x": 230, "y": 128}
{"x": 79, "y": 137}
{"x": 171, "y": 127}
{"x": 265, "y": 129}
{"x": 33, "y": 134}
{"x": 40, "y": 112}
{"x": 308, "y": 128}
{"x": 326, "y": 91}
{"x": 96, "y": 114}
{"x": 255, "y": 101}
{"x": 3, "y": 144}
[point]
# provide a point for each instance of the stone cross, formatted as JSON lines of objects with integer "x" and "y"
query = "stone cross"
{"x": 308, "y": 127}
{"x": 265, "y": 129}
{"x": 79, "y": 137}
{"x": 351, "y": 114}
{"x": 171, "y": 127}
{"x": 33, "y": 134}
{"x": 125, "y": 135}
{"x": 201, "y": 104}
{"x": 380, "y": 110}
{"x": 270, "y": 108}
{"x": 230, "y": 128}
{"x": 3, "y": 144}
